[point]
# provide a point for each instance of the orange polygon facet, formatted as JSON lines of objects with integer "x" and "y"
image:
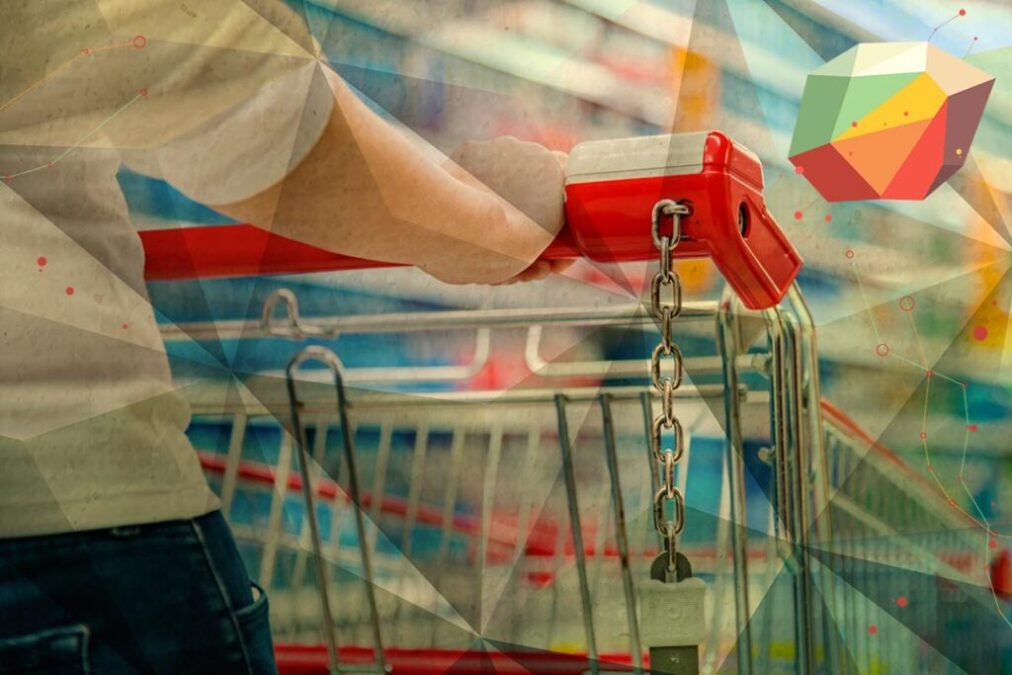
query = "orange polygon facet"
{"x": 877, "y": 156}
{"x": 917, "y": 175}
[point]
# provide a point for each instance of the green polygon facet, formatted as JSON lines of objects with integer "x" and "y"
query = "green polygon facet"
{"x": 842, "y": 65}
{"x": 866, "y": 93}
{"x": 820, "y": 104}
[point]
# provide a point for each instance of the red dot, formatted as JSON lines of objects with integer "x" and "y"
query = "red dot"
{"x": 952, "y": 502}
{"x": 49, "y": 165}
{"x": 797, "y": 215}
{"x": 125, "y": 326}
{"x": 41, "y": 261}
{"x": 993, "y": 543}
{"x": 901, "y": 601}
{"x": 872, "y": 629}
{"x": 143, "y": 91}
{"x": 906, "y": 114}
{"x": 850, "y": 253}
{"x": 86, "y": 51}
{"x": 139, "y": 41}
{"x": 979, "y": 332}
{"x": 924, "y": 435}
{"x": 971, "y": 427}
{"x": 799, "y": 169}
{"x": 962, "y": 12}
{"x": 930, "y": 373}
{"x": 882, "y": 349}
{"x": 853, "y": 124}
{"x": 828, "y": 218}
{"x": 70, "y": 290}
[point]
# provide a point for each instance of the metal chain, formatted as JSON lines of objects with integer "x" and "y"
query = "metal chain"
{"x": 666, "y": 313}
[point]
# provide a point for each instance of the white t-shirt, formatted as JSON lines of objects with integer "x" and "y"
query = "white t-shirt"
{"x": 219, "y": 97}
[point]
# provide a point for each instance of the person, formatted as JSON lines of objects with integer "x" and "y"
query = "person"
{"x": 114, "y": 556}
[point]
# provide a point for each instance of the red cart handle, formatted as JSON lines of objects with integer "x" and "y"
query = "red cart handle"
{"x": 611, "y": 190}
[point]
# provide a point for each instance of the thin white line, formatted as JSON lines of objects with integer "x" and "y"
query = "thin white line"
{"x": 867, "y": 305}
{"x": 917, "y": 335}
{"x": 78, "y": 143}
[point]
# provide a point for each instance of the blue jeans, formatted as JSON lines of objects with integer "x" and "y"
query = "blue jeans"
{"x": 169, "y": 597}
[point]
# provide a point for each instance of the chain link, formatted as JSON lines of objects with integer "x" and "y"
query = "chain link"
{"x": 666, "y": 313}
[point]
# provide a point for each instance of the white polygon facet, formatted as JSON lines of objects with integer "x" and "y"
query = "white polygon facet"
{"x": 889, "y": 58}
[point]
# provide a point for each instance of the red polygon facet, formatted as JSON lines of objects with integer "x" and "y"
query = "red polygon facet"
{"x": 831, "y": 174}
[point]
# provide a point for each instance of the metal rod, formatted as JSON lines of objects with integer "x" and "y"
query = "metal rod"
{"x": 379, "y": 478}
{"x": 727, "y": 342}
{"x": 330, "y": 359}
{"x": 646, "y": 403}
{"x": 206, "y": 402}
{"x": 293, "y": 326}
{"x": 268, "y": 556}
{"x": 623, "y": 368}
{"x": 620, "y": 532}
{"x": 523, "y": 516}
{"x": 235, "y": 443}
{"x": 356, "y": 497}
{"x": 299, "y": 433}
{"x": 569, "y": 475}
{"x": 305, "y": 544}
{"x": 820, "y": 518}
{"x": 416, "y": 474}
{"x": 489, "y": 483}
{"x": 446, "y": 523}
{"x": 797, "y": 476}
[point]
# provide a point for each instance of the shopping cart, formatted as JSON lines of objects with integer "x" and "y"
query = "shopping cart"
{"x": 403, "y": 518}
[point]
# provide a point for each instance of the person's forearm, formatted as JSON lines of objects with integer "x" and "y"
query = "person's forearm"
{"x": 367, "y": 190}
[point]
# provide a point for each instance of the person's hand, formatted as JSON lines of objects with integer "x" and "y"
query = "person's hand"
{"x": 538, "y": 270}
{"x": 531, "y": 178}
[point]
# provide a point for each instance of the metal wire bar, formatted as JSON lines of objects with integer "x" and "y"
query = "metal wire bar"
{"x": 268, "y": 556}
{"x": 415, "y": 473}
{"x": 798, "y": 494}
{"x": 379, "y": 479}
{"x": 620, "y": 532}
{"x": 208, "y": 401}
{"x": 446, "y": 523}
{"x": 727, "y": 344}
{"x": 298, "y": 431}
{"x": 295, "y": 327}
{"x": 489, "y": 482}
{"x": 329, "y": 358}
{"x": 235, "y": 443}
{"x": 569, "y": 476}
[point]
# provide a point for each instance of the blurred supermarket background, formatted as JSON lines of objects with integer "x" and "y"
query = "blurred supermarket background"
{"x": 911, "y": 299}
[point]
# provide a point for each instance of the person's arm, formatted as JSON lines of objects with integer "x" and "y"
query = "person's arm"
{"x": 366, "y": 189}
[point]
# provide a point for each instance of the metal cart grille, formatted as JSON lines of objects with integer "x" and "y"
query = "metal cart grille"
{"x": 472, "y": 528}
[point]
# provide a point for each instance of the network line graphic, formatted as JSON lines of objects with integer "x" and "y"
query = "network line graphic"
{"x": 137, "y": 42}
{"x": 907, "y": 304}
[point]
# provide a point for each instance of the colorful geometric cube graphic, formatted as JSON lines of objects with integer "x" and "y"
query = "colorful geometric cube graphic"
{"x": 888, "y": 120}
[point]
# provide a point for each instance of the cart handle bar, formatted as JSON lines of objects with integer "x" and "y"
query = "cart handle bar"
{"x": 215, "y": 251}
{"x": 717, "y": 184}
